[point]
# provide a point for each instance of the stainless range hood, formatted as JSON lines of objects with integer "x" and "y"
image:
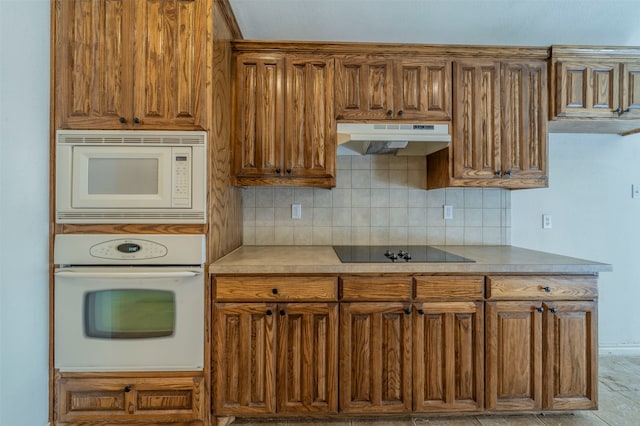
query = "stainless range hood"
{"x": 392, "y": 138}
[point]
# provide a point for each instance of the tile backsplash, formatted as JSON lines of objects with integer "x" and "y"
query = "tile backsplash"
{"x": 377, "y": 200}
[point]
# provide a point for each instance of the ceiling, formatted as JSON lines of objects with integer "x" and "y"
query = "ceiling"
{"x": 474, "y": 22}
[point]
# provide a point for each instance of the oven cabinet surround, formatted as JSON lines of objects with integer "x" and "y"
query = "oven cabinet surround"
{"x": 284, "y": 126}
{"x": 123, "y": 64}
{"x": 381, "y": 88}
{"x": 500, "y": 136}
{"x": 541, "y": 343}
{"x": 276, "y": 345}
{"x": 140, "y": 398}
{"x": 406, "y": 343}
{"x": 595, "y": 89}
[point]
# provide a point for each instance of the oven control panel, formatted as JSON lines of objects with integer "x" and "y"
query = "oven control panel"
{"x": 128, "y": 249}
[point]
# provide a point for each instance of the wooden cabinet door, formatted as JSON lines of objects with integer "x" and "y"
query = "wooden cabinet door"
{"x": 587, "y": 88}
{"x": 422, "y": 90}
{"x": 570, "y": 355}
{"x": 375, "y": 357}
{"x": 513, "y": 355}
{"x": 132, "y": 400}
{"x": 630, "y": 90}
{"x": 364, "y": 88}
{"x": 93, "y": 82}
{"x": 310, "y": 148}
{"x": 524, "y": 120}
{"x": 476, "y": 133}
{"x": 170, "y": 68}
{"x": 244, "y": 358}
{"x": 448, "y": 356}
{"x": 259, "y": 109}
{"x": 307, "y": 358}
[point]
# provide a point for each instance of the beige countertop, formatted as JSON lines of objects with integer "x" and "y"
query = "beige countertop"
{"x": 323, "y": 260}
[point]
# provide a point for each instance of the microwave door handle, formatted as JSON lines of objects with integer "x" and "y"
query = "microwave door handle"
{"x": 126, "y": 275}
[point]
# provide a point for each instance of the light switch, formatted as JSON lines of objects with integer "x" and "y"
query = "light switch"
{"x": 448, "y": 212}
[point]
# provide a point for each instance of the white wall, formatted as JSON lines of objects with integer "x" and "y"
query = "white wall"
{"x": 594, "y": 217}
{"x": 24, "y": 176}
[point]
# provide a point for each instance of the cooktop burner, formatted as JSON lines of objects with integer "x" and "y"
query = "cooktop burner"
{"x": 383, "y": 254}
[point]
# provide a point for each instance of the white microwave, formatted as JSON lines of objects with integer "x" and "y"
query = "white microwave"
{"x": 130, "y": 176}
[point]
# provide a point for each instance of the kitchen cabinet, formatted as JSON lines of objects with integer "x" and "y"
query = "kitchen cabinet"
{"x": 448, "y": 344}
{"x": 85, "y": 398}
{"x": 541, "y": 343}
{"x": 284, "y": 130}
{"x": 383, "y": 88}
{"x": 499, "y": 126}
{"x": 280, "y": 355}
{"x": 595, "y": 90}
{"x": 129, "y": 65}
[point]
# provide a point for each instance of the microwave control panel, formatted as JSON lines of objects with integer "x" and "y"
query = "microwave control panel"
{"x": 181, "y": 188}
{"x": 128, "y": 249}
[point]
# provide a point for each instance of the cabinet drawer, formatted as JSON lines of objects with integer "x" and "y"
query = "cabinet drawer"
{"x": 376, "y": 288}
{"x": 440, "y": 288}
{"x": 542, "y": 287}
{"x": 276, "y": 288}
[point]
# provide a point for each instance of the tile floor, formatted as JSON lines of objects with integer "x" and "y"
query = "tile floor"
{"x": 619, "y": 406}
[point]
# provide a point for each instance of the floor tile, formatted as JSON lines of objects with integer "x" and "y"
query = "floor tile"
{"x": 516, "y": 420}
{"x": 446, "y": 421}
{"x": 579, "y": 418}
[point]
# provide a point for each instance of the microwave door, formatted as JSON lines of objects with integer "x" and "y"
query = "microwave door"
{"x": 121, "y": 177}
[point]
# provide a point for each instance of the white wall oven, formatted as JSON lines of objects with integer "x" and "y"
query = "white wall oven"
{"x": 129, "y": 302}
{"x": 130, "y": 177}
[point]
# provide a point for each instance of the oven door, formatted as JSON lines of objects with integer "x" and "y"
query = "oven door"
{"x": 129, "y": 319}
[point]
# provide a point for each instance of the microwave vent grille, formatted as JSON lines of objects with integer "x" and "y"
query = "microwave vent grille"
{"x": 120, "y": 217}
{"x": 139, "y": 137}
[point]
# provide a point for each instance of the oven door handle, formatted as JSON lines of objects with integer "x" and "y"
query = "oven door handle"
{"x": 126, "y": 275}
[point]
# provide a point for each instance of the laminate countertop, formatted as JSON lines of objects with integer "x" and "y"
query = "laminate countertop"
{"x": 323, "y": 260}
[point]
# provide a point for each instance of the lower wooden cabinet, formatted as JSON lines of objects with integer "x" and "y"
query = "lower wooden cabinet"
{"x": 272, "y": 358}
{"x": 85, "y": 399}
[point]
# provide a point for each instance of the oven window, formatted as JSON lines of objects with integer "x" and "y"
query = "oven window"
{"x": 129, "y": 314}
{"x": 123, "y": 176}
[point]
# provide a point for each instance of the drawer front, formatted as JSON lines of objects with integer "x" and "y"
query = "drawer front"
{"x": 449, "y": 288}
{"x": 376, "y": 288}
{"x": 542, "y": 287}
{"x": 276, "y": 288}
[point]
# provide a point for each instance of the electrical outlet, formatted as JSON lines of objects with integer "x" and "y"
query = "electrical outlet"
{"x": 448, "y": 212}
{"x": 635, "y": 191}
{"x": 296, "y": 211}
{"x": 546, "y": 221}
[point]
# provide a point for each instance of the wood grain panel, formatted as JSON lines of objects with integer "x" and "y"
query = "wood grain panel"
{"x": 576, "y": 287}
{"x": 631, "y": 89}
{"x": 422, "y": 89}
{"x": 449, "y": 287}
{"x": 244, "y": 362}
{"x": 364, "y": 87}
{"x": 270, "y": 288}
{"x": 308, "y": 358}
{"x": 149, "y": 228}
{"x": 375, "y": 288}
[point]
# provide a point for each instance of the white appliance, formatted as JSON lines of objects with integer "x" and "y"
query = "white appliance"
{"x": 402, "y": 139}
{"x": 130, "y": 176}
{"x": 119, "y": 306}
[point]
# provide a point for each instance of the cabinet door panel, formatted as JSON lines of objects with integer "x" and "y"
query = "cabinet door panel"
{"x": 476, "y": 147}
{"x": 448, "y": 345}
{"x": 524, "y": 119}
{"x": 631, "y": 90}
{"x": 570, "y": 357}
{"x": 244, "y": 364}
{"x": 589, "y": 88}
{"x": 310, "y": 147}
{"x": 259, "y": 108}
{"x": 308, "y": 358}
{"x": 364, "y": 88}
{"x": 93, "y": 81}
{"x": 423, "y": 90}
{"x": 514, "y": 355}
{"x": 375, "y": 366}
{"x": 170, "y": 63}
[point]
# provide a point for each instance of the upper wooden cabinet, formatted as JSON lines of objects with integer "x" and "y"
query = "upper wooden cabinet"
{"x": 499, "y": 126}
{"x": 595, "y": 90}
{"x": 130, "y": 64}
{"x": 284, "y": 130}
{"x": 369, "y": 87}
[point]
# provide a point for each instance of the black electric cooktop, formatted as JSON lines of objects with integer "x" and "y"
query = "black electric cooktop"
{"x": 386, "y": 254}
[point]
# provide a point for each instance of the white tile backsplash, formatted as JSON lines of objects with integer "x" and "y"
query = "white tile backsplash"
{"x": 377, "y": 200}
